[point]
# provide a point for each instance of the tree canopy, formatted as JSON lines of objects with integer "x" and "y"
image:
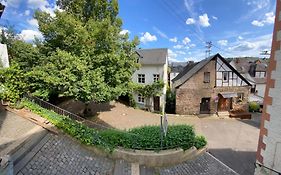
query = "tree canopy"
{"x": 83, "y": 55}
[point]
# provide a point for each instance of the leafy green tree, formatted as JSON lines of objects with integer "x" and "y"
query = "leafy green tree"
{"x": 83, "y": 55}
{"x": 87, "y": 57}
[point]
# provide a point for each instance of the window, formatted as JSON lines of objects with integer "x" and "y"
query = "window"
{"x": 141, "y": 78}
{"x": 240, "y": 97}
{"x": 156, "y": 77}
{"x": 206, "y": 77}
{"x": 140, "y": 98}
{"x": 225, "y": 76}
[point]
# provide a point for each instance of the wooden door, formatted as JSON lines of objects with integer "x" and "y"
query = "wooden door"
{"x": 224, "y": 104}
{"x": 156, "y": 103}
{"x": 205, "y": 106}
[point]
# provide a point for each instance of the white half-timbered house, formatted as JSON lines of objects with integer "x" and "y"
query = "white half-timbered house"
{"x": 210, "y": 86}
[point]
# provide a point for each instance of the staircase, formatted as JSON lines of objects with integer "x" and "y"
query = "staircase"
{"x": 223, "y": 114}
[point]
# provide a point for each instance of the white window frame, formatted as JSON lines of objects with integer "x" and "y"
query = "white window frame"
{"x": 140, "y": 99}
{"x": 227, "y": 77}
{"x": 156, "y": 77}
{"x": 207, "y": 79}
{"x": 141, "y": 78}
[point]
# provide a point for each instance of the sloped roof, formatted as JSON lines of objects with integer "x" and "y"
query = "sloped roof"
{"x": 153, "y": 56}
{"x": 177, "y": 66}
{"x": 190, "y": 70}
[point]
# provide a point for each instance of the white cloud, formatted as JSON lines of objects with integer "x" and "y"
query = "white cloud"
{"x": 223, "y": 42}
{"x": 147, "y": 37}
{"x": 257, "y": 23}
{"x": 190, "y": 21}
{"x": 192, "y": 45}
{"x": 33, "y": 22}
{"x": 27, "y": 12}
{"x": 240, "y": 38}
{"x": 180, "y": 52}
{"x": 174, "y": 40}
{"x": 251, "y": 46}
{"x": 11, "y": 3}
{"x": 204, "y": 20}
{"x": 178, "y": 46}
{"x": 189, "y": 5}
{"x": 186, "y": 40}
{"x": 268, "y": 19}
{"x": 172, "y": 56}
{"x": 29, "y": 35}
{"x": 42, "y": 5}
{"x": 215, "y": 18}
{"x": 125, "y": 31}
{"x": 159, "y": 32}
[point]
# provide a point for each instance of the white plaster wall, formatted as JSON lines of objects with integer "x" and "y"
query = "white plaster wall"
{"x": 271, "y": 155}
{"x": 4, "y": 55}
{"x": 261, "y": 89}
{"x": 149, "y": 70}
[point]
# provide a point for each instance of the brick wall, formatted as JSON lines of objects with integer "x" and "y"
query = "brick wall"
{"x": 269, "y": 148}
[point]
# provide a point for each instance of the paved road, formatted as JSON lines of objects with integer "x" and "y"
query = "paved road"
{"x": 62, "y": 155}
{"x": 12, "y": 128}
{"x": 232, "y": 141}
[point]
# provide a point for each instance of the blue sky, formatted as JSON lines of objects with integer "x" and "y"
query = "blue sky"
{"x": 235, "y": 27}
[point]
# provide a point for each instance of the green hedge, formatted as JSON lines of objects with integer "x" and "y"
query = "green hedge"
{"x": 144, "y": 138}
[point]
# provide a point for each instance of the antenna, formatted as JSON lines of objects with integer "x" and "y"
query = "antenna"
{"x": 265, "y": 52}
{"x": 208, "y": 48}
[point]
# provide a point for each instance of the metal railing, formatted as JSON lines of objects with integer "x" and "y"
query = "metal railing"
{"x": 64, "y": 112}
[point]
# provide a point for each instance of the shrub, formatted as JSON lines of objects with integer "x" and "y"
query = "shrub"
{"x": 145, "y": 138}
{"x": 254, "y": 107}
{"x": 200, "y": 142}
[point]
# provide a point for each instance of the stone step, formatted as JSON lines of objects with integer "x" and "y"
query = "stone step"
{"x": 223, "y": 114}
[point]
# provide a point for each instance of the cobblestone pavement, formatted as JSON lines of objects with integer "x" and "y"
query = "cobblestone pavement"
{"x": 61, "y": 155}
{"x": 203, "y": 165}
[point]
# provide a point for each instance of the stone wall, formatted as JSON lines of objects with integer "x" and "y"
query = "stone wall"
{"x": 189, "y": 94}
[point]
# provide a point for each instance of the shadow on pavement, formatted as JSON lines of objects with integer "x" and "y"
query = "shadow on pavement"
{"x": 240, "y": 161}
{"x": 3, "y": 115}
{"x": 255, "y": 121}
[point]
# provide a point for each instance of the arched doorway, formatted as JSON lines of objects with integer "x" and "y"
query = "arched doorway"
{"x": 224, "y": 104}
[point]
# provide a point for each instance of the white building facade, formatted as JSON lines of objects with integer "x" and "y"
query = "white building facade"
{"x": 4, "y": 56}
{"x": 154, "y": 67}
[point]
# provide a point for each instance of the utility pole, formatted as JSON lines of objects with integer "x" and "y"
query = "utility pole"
{"x": 208, "y": 46}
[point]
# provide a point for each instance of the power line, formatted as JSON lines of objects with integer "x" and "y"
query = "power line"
{"x": 181, "y": 21}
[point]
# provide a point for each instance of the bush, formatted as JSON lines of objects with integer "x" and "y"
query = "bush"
{"x": 200, "y": 142}
{"x": 143, "y": 138}
{"x": 254, "y": 107}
